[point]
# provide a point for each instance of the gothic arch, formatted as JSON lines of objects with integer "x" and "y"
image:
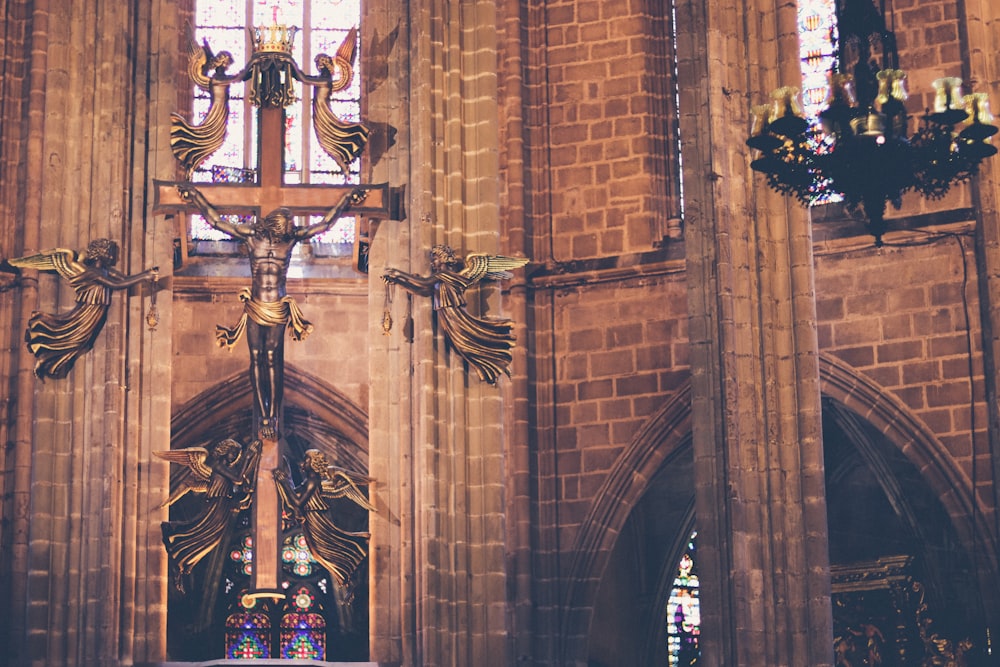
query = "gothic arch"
{"x": 311, "y": 405}
{"x": 853, "y": 399}
{"x": 315, "y": 416}
{"x": 666, "y": 437}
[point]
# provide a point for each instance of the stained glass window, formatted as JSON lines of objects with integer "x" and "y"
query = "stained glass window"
{"x": 684, "y": 611}
{"x": 303, "y": 631}
{"x": 817, "y": 37}
{"x": 324, "y": 24}
{"x": 248, "y": 635}
{"x": 295, "y": 556}
{"x": 817, "y": 50}
{"x": 242, "y": 554}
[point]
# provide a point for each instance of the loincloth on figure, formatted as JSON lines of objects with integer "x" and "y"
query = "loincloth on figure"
{"x": 283, "y": 313}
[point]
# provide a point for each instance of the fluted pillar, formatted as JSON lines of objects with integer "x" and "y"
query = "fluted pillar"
{"x": 760, "y": 501}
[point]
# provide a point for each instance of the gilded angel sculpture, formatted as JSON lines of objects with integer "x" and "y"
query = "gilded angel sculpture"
{"x": 193, "y": 144}
{"x": 58, "y": 340}
{"x": 484, "y": 343}
{"x": 224, "y": 474}
{"x": 339, "y": 551}
{"x": 340, "y": 140}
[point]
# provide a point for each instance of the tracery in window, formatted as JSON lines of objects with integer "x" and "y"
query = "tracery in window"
{"x": 324, "y": 25}
{"x": 684, "y": 611}
{"x": 303, "y": 629}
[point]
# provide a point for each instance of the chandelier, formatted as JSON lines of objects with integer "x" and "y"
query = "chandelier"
{"x": 860, "y": 150}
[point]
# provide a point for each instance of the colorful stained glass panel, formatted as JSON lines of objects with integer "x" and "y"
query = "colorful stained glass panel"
{"x": 817, "y": 35}
{"x": 248, "y": 636}
{"x": 323, "y": 26}
{"x": 684, "y": 611}
{"x": 303, "y": 636}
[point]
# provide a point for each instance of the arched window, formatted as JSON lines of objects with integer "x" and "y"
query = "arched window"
{"x": 684, "y": 611}
{"x": 303, "y": 628}
{"x": 324, "y": 26}
{"x": 248, "y": 635}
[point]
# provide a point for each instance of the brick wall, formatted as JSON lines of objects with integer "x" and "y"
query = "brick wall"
{"x": 898, "y": 316}
{"x": 620, "y": 353}
{"x": 605, "y": 112}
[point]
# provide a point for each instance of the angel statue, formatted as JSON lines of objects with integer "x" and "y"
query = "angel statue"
{"x": 193, "y": 144}
{"x": 339, "y": 551}
{"x": 484, "y": 343}
{"x": 340, "y": 140}
{"x": 224, "y": 475}
{"x": 58, "y": 340}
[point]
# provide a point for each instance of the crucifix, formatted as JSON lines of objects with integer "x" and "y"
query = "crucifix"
{"x": 268, "y": 310}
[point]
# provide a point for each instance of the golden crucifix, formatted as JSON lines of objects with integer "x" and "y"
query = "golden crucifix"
{"x": 268, "y": 310}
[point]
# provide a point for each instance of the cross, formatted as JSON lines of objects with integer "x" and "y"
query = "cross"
{"x": 271, "y": 193}
{"x": 260, "y": 199}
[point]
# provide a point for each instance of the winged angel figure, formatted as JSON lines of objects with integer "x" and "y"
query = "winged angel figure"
{"x": 224, "y": 475}
{"x": 193, "y": 144}
{"x": 343, "y": 141}
{"x": 340, "y": 140}
{"x": 339, "y": 551}
{"x": 58, "y": 340}
{"x": 484, "y": 343}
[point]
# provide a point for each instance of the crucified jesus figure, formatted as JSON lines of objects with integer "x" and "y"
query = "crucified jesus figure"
{"x": 267, "y": 309}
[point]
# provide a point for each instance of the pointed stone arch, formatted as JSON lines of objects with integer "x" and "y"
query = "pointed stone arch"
{"x": 854, "y": 399}
{"x": 315, "y": 416}
{"x": 311, "y": 404}
{"x": 666, "y": 437}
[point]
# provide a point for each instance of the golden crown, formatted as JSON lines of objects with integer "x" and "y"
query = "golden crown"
{"x": 273, "y": 38}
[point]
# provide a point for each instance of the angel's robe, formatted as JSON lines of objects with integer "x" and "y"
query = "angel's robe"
{"x": 189, "y": 541}
{"x": 57, "y": 340}
{"x": 485, "y": 343}
{"x": 339, "y": 551}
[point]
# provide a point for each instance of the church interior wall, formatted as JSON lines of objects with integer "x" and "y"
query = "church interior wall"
{"x": 337, "y": 349}
{"x": 593, "y": 498}
{"x": 905, "y": 318}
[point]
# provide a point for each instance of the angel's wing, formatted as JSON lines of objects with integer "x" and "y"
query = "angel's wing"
{"x": 193, "y": 144}
{"x": 191, "y": 457}
{"x": 67, "y": 263}
{"x": 344, "y": 59}
{"x": 197, "y": 61}
{"x": 492, "y": 267}
{"x": 339, "y": 483}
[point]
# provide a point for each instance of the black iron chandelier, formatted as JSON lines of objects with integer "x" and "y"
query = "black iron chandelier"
{"x": 860, "y": 150}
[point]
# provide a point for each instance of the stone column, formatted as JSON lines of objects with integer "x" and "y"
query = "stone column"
{"x": 89, "y": 588}
{"x": 760, "y": 501}
{"x": 981, "y": 22}
{"x": 437, "y": 432}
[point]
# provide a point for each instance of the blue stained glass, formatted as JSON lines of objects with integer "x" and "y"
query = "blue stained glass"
{"x": 247, "y": 647}
{"x": 303, "y": 635}
{"x": 248, "y": 636}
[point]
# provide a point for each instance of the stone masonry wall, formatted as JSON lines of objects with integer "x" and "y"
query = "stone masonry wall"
{"x": 336, "y": 351}
{"x": 900, "y": 317}
{"x": 604, "y": 114}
